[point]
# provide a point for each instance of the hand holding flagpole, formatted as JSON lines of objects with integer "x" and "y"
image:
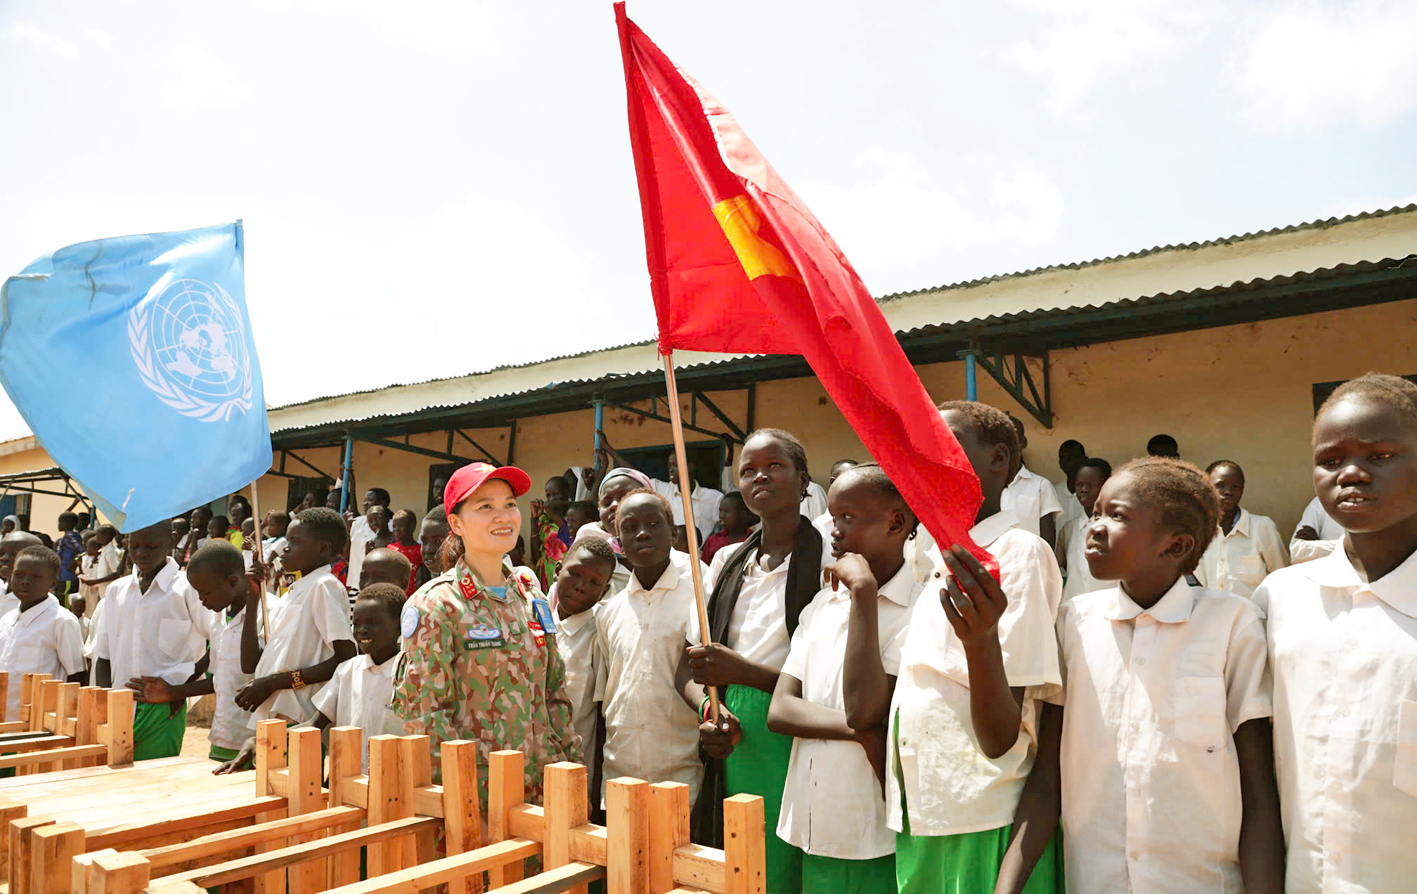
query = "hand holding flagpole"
{"x": 686, "y": 493}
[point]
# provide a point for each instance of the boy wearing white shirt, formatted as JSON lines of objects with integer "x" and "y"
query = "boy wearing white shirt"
{"x": 833, "y": 805}
{"x": 1070, "y": 457}
{"x": 10, "y": 546}
{"x": 151, "y": 627}
{"x": 1031, "y": 497}
{"x": 38, "y": 636}
{"x": 217, "y": 573}
{"x": 361, "y": 535}
{"x": 705, "y": 500}
{"x": 362, "y": 691}
{"x": 650, "y": 733}
{"x": 581, "y": 582}
{"x": 1250, "y": 543}
{"x": 310, "y": 634}
{"x": 1072, "y": 538}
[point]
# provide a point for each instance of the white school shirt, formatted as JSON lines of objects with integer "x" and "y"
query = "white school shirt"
{"x": 231, "y": 725}
{"x": 359, "y": 534}
{"x": 1068, "y": 500}
{"x": 1072, "y": 551}
{"x": 815, "y": 502}
{"x": 1344, "y": 657}
{"x": 91, "y": 634}
{"x": 950, "y": 786}
{"x": 705, "y": 500}
{"x": 112, "y": 559}
{"x": 272, "y": 549}
{"x": 8, "y": 600}
{"x": 1251, "y": 551}
{"x": 1329, "y": 531}
{"x": 1150, "y": 774}
{"x": 306, "y": 622}
{"x": 757, "y": 629}
{"x": 575, "y": 640}
{"x": 361, "y": 693}
{"x": 650, "y": 733}
{"x": 44, "y": 640}
{"x": 157, "y": 633}
{"x": 1030, "y": 497}
{"x": 832, "y": 805}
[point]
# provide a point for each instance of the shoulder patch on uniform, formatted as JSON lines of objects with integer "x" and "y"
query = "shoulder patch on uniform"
{"x": 408, "y": 621}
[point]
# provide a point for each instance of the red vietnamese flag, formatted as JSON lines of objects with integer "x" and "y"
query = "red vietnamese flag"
{"x": 739, "y": 265}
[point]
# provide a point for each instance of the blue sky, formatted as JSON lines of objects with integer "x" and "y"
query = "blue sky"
{"x": 436, "y": 188}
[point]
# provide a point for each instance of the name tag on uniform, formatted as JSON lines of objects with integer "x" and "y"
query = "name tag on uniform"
{"x": 481, "y": 636}
{"x": 542, "y": 610}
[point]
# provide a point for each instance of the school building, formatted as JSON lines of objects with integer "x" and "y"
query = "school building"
{"x": 1227, "y": 345}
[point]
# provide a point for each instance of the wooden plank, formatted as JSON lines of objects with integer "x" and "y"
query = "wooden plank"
{"x": 744, "y": 848}
{"x": 119, "y": 873}
{"x": 246, "y": 867}
{"x": 81, "y": 876}
{"x": 701, "y": 867}
{"x": 627, "y": 830}
{"x": 588, "y": 845}
{"x": 346, "y": 757}
{"x": 567, "y": 807}
{"x": 270, "y": 753}
{"x": 448, "y": 870}
{"x": 54, "y": 848}
{"x": 668, "y": 831}
{"x": 416, "y": 769}
{"x": 52, "y": 756}
{"x": 506, "y": 789}
{"x": 38, "y": 743}
{"x": 178, "y": 829}
{"x": 21, "y": 837}
{"x": 117, "y": 728}
{"x": 461, "y": 808}
{"x": 5, "y": 697}
{"x": 9, "y": 812}
{"x": 306, "y": 795}
{"x": 388, "y": 800}
{"x": 571, "y": 877}
{"x": 224, "y": 843}
{"x": 526, "y": 821}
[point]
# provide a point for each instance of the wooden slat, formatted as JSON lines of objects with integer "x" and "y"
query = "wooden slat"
{"x": 160, "y": 833}
{"x": 116, "y": 730}
{"x": 21, "y": 836}
{"x": 390, "y": 798}
{"x": 743, "y": 845}
{"x": 224, "y": 843}
{"x": 247, "y": 867}
{"x": 118, "y": 873}
{"x": 53, "y": 755}
{"x": 506, "y": 789}
{"x": 668, "y": 831}
{"x": 567, "y": 807}
{"x": 306, "y": 795}
{"x": 701, "y": 867}
{"x": 461, "y": 807}
{"x": 54, "y": 848}
{"x": 346, "y": 755}
{"x": 447, "y": 870}
{"x": 572, "y": 876}
{"x": 9, "y": 811}
{"x": 526, "y": 821}
{"x": 627, "y": 828}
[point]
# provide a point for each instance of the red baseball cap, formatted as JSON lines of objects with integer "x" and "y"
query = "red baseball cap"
{"x": 473, "y": 475}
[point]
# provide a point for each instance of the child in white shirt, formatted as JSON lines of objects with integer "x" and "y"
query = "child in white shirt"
{"x": 581, "y": 582}
{"x": 1249, "y": 544}
{"x": 1160, "y": 762}
{"x": 833, "y": 803}
{"x": 1343, "y": 651}
{"x": 216, "y": 571}
{"x": 40, "y": 636}
{"x": 310, "y": 634}
{"x": 957, "y": 771}
{"x": 1031, "y": 497}
{"x": 650, "y": 733}
{"x": 1072, "y": 538}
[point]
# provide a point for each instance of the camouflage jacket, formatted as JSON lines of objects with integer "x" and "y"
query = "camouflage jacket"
{"x": 479, "y": 666}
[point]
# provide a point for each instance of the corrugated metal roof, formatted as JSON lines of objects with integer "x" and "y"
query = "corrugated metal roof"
{"x": 1187, "y": 246}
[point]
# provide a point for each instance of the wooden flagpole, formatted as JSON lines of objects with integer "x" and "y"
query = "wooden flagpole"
{"x": 260, "y": 554}
{"x": 686, "y": 485}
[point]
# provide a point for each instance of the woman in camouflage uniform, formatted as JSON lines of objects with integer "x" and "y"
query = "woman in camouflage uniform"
{"x": 479, "y": 642}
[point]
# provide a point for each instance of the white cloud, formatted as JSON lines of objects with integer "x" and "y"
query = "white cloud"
{"x": 40, "y": 39}
{"x": 1313, "y": 65}
{"x": 1082, "y": 43}
{"x": 444, "y": 24}
{"x": 900, "y": 214}
{"x": 102, "y": 38}
{"x": 197, "y": 77}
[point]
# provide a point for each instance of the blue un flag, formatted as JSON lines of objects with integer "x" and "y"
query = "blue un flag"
{"x": 133, "y": 362}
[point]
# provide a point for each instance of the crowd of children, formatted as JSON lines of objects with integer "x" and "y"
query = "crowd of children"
{"x": 1153, "y": 693}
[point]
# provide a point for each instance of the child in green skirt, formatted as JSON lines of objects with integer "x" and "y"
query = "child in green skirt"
{"x": 978, "y": 655}
{"x": 833, "y": 806}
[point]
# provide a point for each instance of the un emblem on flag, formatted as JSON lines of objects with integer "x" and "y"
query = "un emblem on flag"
{"x": 189, "y": 345}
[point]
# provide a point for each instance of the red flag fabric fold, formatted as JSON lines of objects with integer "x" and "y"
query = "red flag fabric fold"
{"x": 738, "y": 264}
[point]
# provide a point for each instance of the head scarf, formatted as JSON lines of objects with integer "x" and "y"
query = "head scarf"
{"x": 625, "y": 472}
{"x": 15, "y": 519}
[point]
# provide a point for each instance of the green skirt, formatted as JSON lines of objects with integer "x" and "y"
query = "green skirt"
{"x": 849, "y": 876}
{"x": 158, "y": 731}
{"x": 217, "y": 753}
{"x": 758, "y": 766}
{"x": 968, "y": 863}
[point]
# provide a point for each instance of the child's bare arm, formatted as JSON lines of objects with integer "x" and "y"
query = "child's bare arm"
{"x": 250, "y": 632}
{"x": 791, "y": 715}
{"x": 975, "y": 602}
{"x": 1036, "y": 817}
{"x": 866, "y": 688}
{"x": 1261, "y": 833}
